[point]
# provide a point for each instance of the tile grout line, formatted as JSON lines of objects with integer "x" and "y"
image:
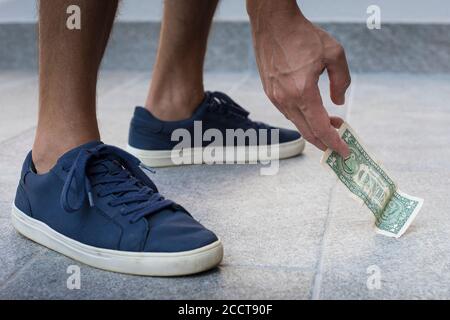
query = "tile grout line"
{"x": 351, "y": 97}
{"x": 317, "y": 282}
{"x": 268, "y": 267}
{"x": 7, "y": 140}
{"x": 17, "y": 272}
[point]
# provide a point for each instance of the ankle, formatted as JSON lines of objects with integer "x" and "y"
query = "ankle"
{"x": 47, "y": 149}
{"x": 174, "y": 105}
{"x": 44, "y": 161}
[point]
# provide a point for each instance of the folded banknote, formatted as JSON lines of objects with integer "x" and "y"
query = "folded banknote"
{"x": 368, "y": 182}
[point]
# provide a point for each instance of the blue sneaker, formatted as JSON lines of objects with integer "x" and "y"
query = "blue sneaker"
{"x": 219, "y": 124}
{"x": 97, "y": 206}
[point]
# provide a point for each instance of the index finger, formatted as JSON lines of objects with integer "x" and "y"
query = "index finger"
{"x": 319, "y": 121}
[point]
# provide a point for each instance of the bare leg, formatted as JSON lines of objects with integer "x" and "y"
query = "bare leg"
{"x": 177, "y": 82}
{"x": 68, "y": 65}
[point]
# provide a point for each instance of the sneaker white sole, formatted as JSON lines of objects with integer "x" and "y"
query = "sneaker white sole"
{"x": 253, "y": 154}
{"x": 138, "y": 263}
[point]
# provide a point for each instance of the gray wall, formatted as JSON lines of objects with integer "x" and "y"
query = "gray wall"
{"x": 415, "y": 35}
{"x": 404, "y": 11}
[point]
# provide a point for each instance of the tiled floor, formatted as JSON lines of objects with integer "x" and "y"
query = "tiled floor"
{"x": 293, "y": 235}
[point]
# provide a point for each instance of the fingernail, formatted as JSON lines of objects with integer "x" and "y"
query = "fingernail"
{"x": 346, "y": 154}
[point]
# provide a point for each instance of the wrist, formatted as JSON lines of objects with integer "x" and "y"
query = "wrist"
{"x": 264, "y": 9}
{"x": 273, "y": 15}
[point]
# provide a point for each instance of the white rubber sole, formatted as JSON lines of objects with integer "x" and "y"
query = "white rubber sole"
{"x": 250, "y": 154}
{"x": 138, "y": 263}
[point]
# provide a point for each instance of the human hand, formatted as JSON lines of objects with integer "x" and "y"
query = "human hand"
{"x": 292, "y": 53}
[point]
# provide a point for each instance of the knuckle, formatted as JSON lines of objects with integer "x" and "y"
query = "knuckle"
{"x": 339, "y": 51}
{"x": 318, "y": 132}
{"x": 303, "y": 108}
{"x": 335, "y": 143}
{"x": 282, "y": 98}
{"x": 275, "y": 97}
{"x": 348, "y": 82}
{"x": 343, "y": 83}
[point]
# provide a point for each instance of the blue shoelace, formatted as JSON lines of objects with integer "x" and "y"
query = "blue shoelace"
{"x": 224, "y": 104}
{"x": 112, "y": 171}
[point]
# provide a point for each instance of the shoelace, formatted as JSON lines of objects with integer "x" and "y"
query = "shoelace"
{"x": 131, "y": 186}
{"x": 224, "y": 103}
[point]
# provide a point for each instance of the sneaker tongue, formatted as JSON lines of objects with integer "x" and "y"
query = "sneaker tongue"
{"x": 71, "y": 155}
{"x": 112, "y": 166}
{"x": 201, "y": 108}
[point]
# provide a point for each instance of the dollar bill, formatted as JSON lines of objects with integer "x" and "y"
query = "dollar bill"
{"x": 365, "y": 178}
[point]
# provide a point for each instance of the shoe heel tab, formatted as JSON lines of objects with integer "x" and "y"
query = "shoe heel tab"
{"x": 141, "y": 112}
{"x": 144, "y": 121}
{"x": 28, "y": 166}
